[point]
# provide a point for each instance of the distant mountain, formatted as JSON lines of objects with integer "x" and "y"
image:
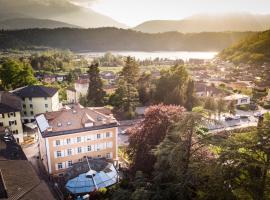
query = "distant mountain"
{"x": 254, "y": 49}
{"x": 113, "y": 39}
{"x": 59, "y": 10}
{"x": 26, "y": 23}
{"x": 209, "y": 23}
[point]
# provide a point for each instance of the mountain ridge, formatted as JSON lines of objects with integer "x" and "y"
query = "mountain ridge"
{"x": 109, "y": 39}
{"x": 208, "y": 23}
{"x": 28, "y": 23}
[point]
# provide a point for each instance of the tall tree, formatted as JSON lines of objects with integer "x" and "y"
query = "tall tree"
{"x": 245, "y": 161}
{"x": 96, "y": 94}
{"x": 149, "y": 133}
{"x": 127, "y": 91}
{"x": 170, "y": 88}
{"x": 190, "y": 97}
{"x": 232, "y": 107}
{"x": 145, "y": 88}
{"x": 221, "y": 106}
{"x": 185, "y": 167}
{"x": 210, "y": 105}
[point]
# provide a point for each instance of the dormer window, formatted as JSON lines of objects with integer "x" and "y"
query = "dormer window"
{"x": 88, "y": 124}
{"x": 69, "y": 123}
{"x": 59, "y": 124}
{"x": 74, "y": 111}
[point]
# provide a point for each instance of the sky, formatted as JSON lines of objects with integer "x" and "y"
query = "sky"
{"x": 134, "y": 12}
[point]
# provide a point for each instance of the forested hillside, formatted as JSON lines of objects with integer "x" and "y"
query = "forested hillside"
{"x": 255, "y": 49}
{"x": 106, "y": 39}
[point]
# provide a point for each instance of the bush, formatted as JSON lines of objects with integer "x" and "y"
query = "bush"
{"x": 244, "y": 107}
{"x": 266, "y": 105}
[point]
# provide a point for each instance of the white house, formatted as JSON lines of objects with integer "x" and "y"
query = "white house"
{"x": 240, "y": 99}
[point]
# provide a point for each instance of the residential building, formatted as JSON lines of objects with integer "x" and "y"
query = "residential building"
{"x": 68, "y": 135}
{"x": 72, "y": 96}
{"x": 37, "y": 99}
{"x": 10, "y": 115}
{"x": 81, "y": 87}
{"x": 202, "y": 89}
{"x": 240, "y": 99}
{"x": 47, "y": 78}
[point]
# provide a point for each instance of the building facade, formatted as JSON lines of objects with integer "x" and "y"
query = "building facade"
{"x": 10, "y": 116}
{"x": 67, "y": 136}
{"x": 72, "y": 96}
{"x": 239, "y": 99}
{"x": 37, "y": 99}
{"x": 81, "y": 86}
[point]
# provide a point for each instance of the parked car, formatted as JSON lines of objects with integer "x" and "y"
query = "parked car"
{"x": 236, "y": 117}
{"x": 244, "y": 116}
{"x": 229, "y": 118}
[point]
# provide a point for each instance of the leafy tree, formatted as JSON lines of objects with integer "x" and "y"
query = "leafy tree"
{"x": 126, "y": 92}
{"x": 95, "y": 95}
{"x": 145, "y": 88}
{"x": 232, "y": 107}
{"x": 149, "y": 133}
{"x": 245, "y": 161}
{"x": 14, "y": 74}
{"x": 210, "y": 105}
{"x": 221, "y": 106}
{"x": 185, "y": 167}
{"x": 170, "y": 88}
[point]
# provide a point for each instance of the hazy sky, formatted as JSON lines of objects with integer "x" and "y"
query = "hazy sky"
{"x": 133, "y": 12}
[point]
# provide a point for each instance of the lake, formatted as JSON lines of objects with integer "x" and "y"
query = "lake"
{"x": 142, "y": 55}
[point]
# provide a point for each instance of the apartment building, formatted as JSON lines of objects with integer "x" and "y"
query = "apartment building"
{"x": 37, "y": 99}
{"x": 10, "y": 116}
{"x": 66, "y": 136}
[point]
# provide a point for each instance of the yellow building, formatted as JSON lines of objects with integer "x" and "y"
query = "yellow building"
{"x": 10, "y": 116}
{"x": 37, "y": 99}
{"x": 66, "y": 136}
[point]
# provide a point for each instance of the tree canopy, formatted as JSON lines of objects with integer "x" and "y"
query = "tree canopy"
{"x": 14, "y": 74}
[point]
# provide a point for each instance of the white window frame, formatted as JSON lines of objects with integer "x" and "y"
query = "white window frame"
{"x": 68, "y": 141}
{"x": 58, "y": 154}
{"x": 89, "y": 148}
{"x": 69, "y": 163}
{"x": 60, "y": 164}
{"x": 69, "y": 152}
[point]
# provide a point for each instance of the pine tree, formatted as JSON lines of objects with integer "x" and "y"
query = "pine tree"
{"x": 127, "y": 91}
{"x": 96, "y": 94}
{"x": 190, "y": 97}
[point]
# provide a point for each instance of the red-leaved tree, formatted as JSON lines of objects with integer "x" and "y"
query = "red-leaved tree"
{"x": 149, "y": 133}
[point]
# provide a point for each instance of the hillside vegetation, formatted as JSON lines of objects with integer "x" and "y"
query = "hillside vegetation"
{"x": 108, "y": 39}
{"x": 255, "y": 49}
